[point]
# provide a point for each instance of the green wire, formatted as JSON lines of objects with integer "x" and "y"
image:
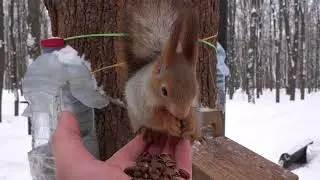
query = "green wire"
{"x": 207, "y": 43}
{"x": 120, "y": 35}
{"x": 95, "y": 35}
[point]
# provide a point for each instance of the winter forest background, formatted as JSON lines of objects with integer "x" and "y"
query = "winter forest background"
{"x": 272, "y": 44}
{"x": 22, "y": 24}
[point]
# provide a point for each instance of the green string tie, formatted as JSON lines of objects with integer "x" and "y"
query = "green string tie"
{"x": 95, "y": 35}
{"x": 121, "y": 35}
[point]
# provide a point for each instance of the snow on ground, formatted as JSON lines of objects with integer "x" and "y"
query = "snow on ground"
{"x": 14, "y": 142}
{"x": 271, "y": 129}
{"x": 267, "y": 128}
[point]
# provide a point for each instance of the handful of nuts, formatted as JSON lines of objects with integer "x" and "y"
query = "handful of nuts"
{"x": 156, "y": 167}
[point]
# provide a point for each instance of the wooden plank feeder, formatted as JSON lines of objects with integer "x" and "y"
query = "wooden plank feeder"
{"x": 220, "y": 158}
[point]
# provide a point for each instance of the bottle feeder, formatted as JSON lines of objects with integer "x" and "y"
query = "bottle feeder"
{"x": 58, "y": 80}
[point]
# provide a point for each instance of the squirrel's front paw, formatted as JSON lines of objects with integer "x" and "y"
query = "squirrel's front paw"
{"x": 189, "y": 127}
{"x": 165, "y": 122}
{"x": 173, "y": 126}
{"x": 148, "y": 134}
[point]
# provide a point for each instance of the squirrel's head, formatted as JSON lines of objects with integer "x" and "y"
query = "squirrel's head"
{"x": 174, "y": 83}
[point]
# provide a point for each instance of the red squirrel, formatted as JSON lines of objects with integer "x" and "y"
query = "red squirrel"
{"x": 161, "y": 55}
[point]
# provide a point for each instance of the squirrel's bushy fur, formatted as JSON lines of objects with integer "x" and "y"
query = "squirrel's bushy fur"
{"x": 161, "y": 53}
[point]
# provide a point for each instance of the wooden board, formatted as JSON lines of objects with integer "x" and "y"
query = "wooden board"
{"x": 213, "y": 118}
{"x": 224, "y": 159}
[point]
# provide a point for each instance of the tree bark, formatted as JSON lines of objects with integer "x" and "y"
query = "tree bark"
{"x": 294, "y": 64}
{"x": 302, "y": 48}
{"x": 73, "y": 17}
{"x": 230, "y": 59}
{"x": 44, "y": 22}
{"x": 317, "y": 76}
{"x": 278, "y": 53}
{"x": 2, "y": 55}
{"x": 223, "y": 31}
{"x": 290, "y": 86}
{"x": 252, "y": 51}
{"x": 209, "y": 26}
{"x": 259, "y": 50}
{"x": 13, "y": 59}
{"x": 35, "y": 26}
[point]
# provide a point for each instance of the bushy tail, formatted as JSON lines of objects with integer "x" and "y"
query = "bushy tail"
{"x": 158, "y": 27}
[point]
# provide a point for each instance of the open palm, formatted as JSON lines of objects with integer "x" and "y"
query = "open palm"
{"x": 73, "y": 161}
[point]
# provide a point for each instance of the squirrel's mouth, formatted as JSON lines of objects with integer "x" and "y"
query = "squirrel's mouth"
{"x": 178, "y": 112}
{"x": 167, "y": 110}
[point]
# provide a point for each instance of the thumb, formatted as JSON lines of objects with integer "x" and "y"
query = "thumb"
{"x": 66, "y": 143}
{"x": 183, "y": 154}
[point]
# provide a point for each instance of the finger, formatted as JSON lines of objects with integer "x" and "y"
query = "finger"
{"x": 183, "y": 155}
{"x": 157, "y": 147}
{"x": 66, "y": 143}
{"x": 133, "y": 149}
{"x": 127, "y": 155}
{"x": 170, "y": 145}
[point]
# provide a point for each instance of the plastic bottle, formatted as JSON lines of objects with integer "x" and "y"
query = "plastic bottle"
{"x": 222, "y": 72}
{"x": 58, "y": 80}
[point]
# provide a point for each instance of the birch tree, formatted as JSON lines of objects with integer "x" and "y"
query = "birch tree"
{"x": 2, "y": 54}
{"x": 252, "y": 51}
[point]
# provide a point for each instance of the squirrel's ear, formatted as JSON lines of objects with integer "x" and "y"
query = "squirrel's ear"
{"x": 189, "y": 35}
{"x": 171, "y": 46}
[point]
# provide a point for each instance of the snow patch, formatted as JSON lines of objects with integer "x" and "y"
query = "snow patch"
{"x": 206, "y": 109}
{"x": 68, "y": 55}
{"x": 271, "y": 129}
{"x": 266, "y": 128}
{"x": 30, "y": 40}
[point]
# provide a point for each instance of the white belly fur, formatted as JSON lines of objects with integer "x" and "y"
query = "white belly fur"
{"x": 139, "y": 110}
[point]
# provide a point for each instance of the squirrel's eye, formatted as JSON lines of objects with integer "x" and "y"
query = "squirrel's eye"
{"x": 164, "y": 91}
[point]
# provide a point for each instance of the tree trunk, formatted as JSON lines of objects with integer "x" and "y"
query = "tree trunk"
{"x": 302, "y": 48}
{"x": 272, "y": 35}
{"x": 223, "y": 31}
{"x": 13, "y": 58}
{"x": 21, "y": 41}
{"x": 294, "y": 64}
{"x": 44, "y": 21}
{"x": 73, "y": 17}
{"x": 24, "y": 36}
{"x": 230, "y": 58}
{"x": 272, "y": 44}
{"x": 278, "y": 53}
{"x": 252, "y": 52}
{"x": 317, "y": 66}
{"x": 259, "y": 50}
{"x": 35, "y": 26}
{"x": 309, "y": 67}
{"x": 208, "y": 18}
{"x": 2, "y": 56}
{"x": 284, "y": 6}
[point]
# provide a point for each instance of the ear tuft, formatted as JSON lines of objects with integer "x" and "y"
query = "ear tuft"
{"x": 171, "y": 46}
{"x": 183, "y": 38}
{"x": 189, "y": 35}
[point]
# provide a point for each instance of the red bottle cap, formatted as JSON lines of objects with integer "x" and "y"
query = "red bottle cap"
{"x": 52, "y": 42}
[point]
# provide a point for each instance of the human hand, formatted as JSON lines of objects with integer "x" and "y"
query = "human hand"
{"x": 73, "y": 161}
